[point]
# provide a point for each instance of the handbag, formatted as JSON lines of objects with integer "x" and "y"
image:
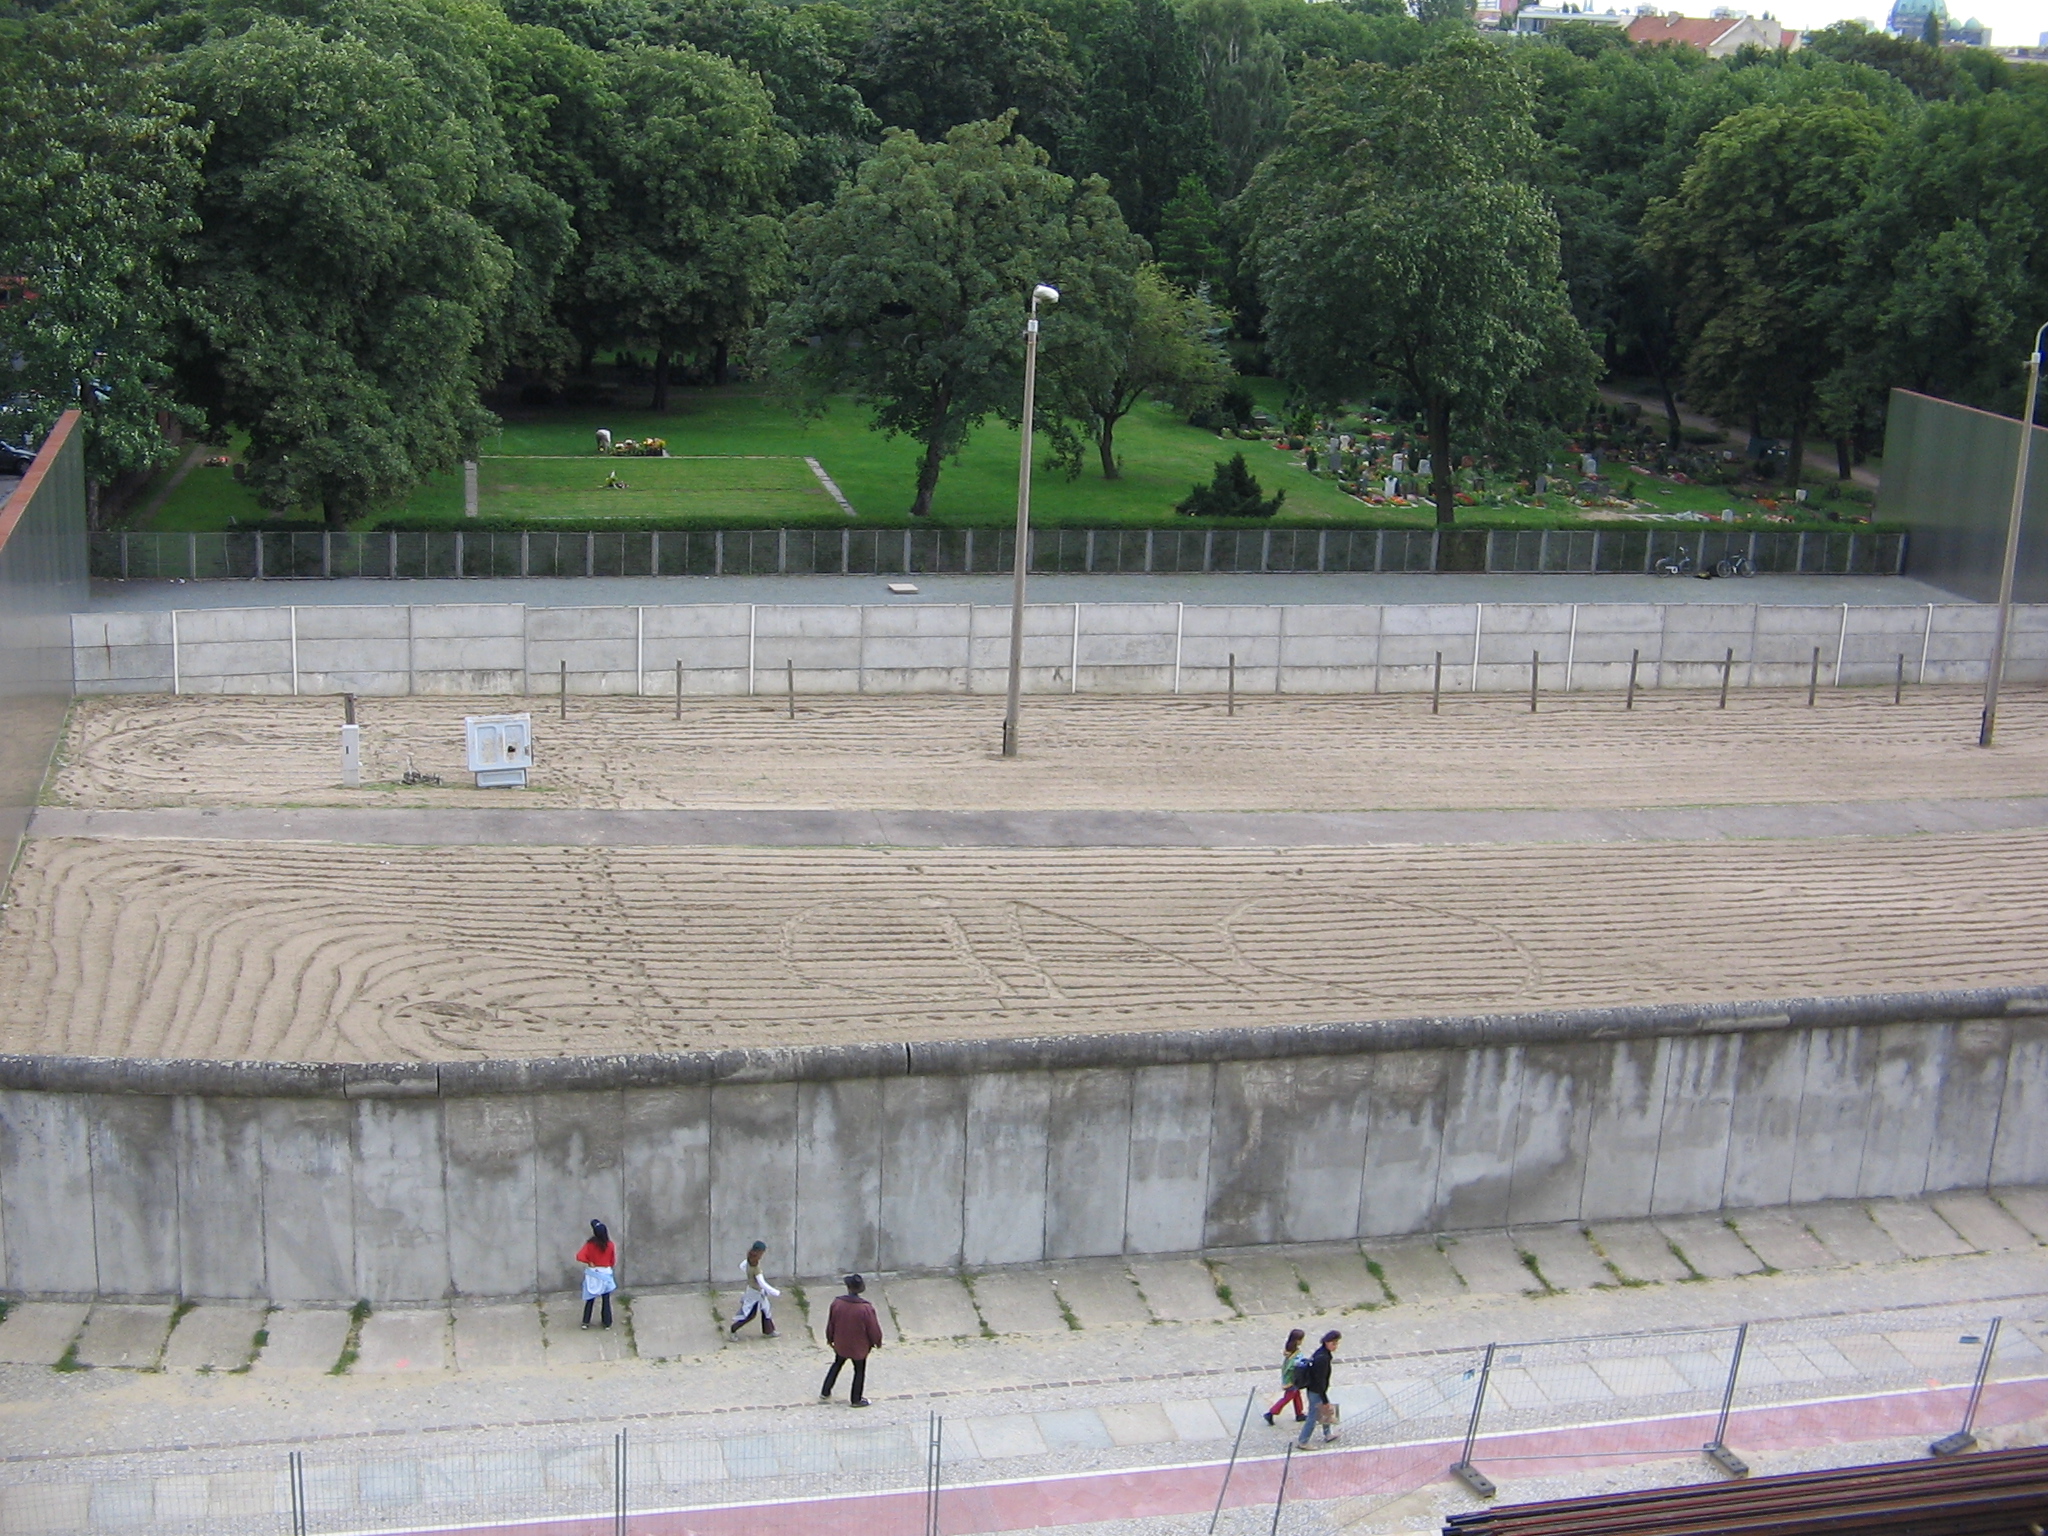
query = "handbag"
{"x": 1326, "y": 1415}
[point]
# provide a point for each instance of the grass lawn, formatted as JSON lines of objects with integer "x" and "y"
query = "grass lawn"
{"x": 737, "y": 459}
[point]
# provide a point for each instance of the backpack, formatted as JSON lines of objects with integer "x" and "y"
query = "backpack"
{"x": 1298, "y": 1375}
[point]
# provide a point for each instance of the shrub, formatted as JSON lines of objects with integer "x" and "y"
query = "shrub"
{"x": 1232, "y": 493}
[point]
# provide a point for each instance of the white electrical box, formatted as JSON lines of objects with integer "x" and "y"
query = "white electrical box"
{"x": 500, "y": 749}
{"x": 352, "y": 755}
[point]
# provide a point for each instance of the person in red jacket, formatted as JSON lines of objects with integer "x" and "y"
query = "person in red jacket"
{"x": 599, "y": 1258}
{"x": 851, "y": 1331}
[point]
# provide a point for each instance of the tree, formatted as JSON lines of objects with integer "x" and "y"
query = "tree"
{"x": 686, "y": 248}
{"x": 1400, "y": 246}
{"x": 931, "y": 65}
{"x": 344, "y": 279}
{"x": 1756, "y": 247}
{"x": 97, "y": 170}
{"x": 1244, "y": 85}
{"x": 1144, "y": 129}
{"x": 1152, "y": 339}
{"x": 1191, "y": 237}
{"x": 910, "y": 286}
{"x": 1919, "y": 65}
{"x": 1232, "y": 492}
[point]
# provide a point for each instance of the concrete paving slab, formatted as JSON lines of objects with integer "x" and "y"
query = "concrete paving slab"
{"x": 498, "y": 1337}
{"x": 124, "y": 1336}
{"x": 1100, "y": 1296}
{"x": 302, "y": 1339}
{"x": 1638, "y": 1251}
{"x": 1009, "y": 1434}
{"x": 1704, "y": 1369}
{"x": 813, "y": 1319}
{"x": 1829, "y": 1360}
{"x": 1710, "y": 1246}
{"x": 570, "y": 1343}
{"x": 676, "y": 1325}
{"x": 1415, "y": 1269}
{"x": 932, "y": 1307}
{"x": 1871, "y": 1354}
{"x": 410, "y": 1340}
{"x": 38, "y": 1332}
{"x": 1781, "y": 1240}
{"x": 1642, "y": 1376}
{"x": 1019, "y": 1303}
{"x": 1137, "y": 1424}
{"x": 1784, "y": 1360}
{"x": 1513, "y": 1387}
{"x": 1572, "y": 1381}
{"x": 1338, "y": 1279}
{"x": 1197, "y": 1420}
{"x": 214, "y": 1338}
{"x": 2027, "y": 1206}
{"x": 1919, "y": 1232}
{"x": 1264, "y": 1285}
{"x": 1073, "y": 1429}
{"x": 1845, "y": 1229}
{"x": 1982, "y": 1222}
{"x": 1563, "y": 1254}
{"x": 1180, "y": 1290}
{"x": 46, "y": 1509}
{"x": 1490, "y": 1264}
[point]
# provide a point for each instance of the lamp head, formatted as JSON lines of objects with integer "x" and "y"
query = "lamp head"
{"x": 1045, "y": 293}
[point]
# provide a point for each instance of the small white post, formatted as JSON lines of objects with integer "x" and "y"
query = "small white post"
{"x": 469, "y": 499}
{"x": 1478, "y": 628}
{"x": 1841, "y": 644}
{"x": 177, "y": 682}
{"x": 1571, "y": 646}
{"x": 351, "y": 756}
{"x": 639, "y": 650}
{"x": 1074, "y": 658}
{"x": 750, "y": 650}
{"x": 1926, "y": 639}
{"x": 1180, "y": 615}
{"x": 295, "y": 650}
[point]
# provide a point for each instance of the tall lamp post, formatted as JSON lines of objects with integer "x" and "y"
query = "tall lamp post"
{"x": 1021, "y": 559}
{"x": 1995, "y": 673}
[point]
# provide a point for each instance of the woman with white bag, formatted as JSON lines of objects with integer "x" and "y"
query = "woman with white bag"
{"x": 756, "y": 1293}
{"x": 599, "y": 1258}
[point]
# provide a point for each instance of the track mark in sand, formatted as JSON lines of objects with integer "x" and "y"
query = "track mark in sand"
{"x": 322, "y": 952}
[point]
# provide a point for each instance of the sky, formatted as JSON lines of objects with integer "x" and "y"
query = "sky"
{"x": 2013, "y": 23}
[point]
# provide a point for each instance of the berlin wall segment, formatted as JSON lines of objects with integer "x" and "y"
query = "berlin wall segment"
{"x": 413, "y": 1182}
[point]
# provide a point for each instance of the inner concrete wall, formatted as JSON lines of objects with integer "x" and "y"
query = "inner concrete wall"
{"x": 417, "y": 1182}
{"x": 741, "y": 648}
{"x": 1948, "y": 475}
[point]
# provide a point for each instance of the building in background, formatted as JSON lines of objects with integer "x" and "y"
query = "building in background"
{"x": 1929, "y": 21}
{"x": 1718, "y": 35}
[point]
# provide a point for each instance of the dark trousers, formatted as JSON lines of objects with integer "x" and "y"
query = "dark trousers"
{"x": 606, "y": 1298}
{"x": 860, "y": 1377}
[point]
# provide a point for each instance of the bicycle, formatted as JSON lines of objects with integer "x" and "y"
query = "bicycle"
{"x": 1734, "y": 565}
{"x": 1679, "y": 564}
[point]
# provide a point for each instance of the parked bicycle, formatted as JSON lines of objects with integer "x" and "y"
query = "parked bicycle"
{"x": 1734, "y": 565}
{"x": 1679, "y": 564}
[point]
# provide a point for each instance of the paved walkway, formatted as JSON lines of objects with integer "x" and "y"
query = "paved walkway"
{"x": 553, "y": 592}
{"x": 582, "y": 828}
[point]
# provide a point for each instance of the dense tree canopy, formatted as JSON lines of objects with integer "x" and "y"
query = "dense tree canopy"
{"x": 334, "y": 225}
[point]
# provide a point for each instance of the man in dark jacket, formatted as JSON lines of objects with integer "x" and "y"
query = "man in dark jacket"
{"x": 1317, "y": 1385}
{"x": 851, "y": 1331}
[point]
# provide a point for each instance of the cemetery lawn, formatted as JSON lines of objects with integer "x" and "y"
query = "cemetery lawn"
{"x": 737, "y": 460}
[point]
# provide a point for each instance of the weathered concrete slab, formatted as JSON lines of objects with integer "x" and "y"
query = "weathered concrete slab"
{"x": 1006, "y": 1167}
{"x": 38, "y": 1332}
{"x": 1639, "y": 1251}
{"x": 570, "y": 1343}
{"x": 1180, "y": 1291}
{"x": 923, "y": 1135}
{"x": 1981, "y": 1222}
{"x": 1100, "y": 1296}
{"x": 813, "y": 1320}
{"x": 1710, "y": 1246}
{"x": 217, "y": 1338}
{"x": 2029, "y": 1207}
{"x": 935, "y": 1307}
{"x": 130, "y": 1337}
{"x": 1197, "y": 1420}
{"x": 404, "y": 1341}
{"x": 838, "y": 1179}
{"x": 1781, "y": 1240}
{"x": 1169, "y": 1168}
{"x": 302, "y": 1339}
{"x": 1009, "y": 1434}
{"x": 1137, "y": 1423}
{"x": 676, "y": 1325}
{"x": 1847, "y": 1232}
{"x": 1415, "y": 1269}
{"x": 498, "y": 1337}
{"x": 1073, "y": 1429}
{"x": 1563, "y": 1254}
{"x": 1019, "y": 1303}
{"x": 1489, "y": 1264}
{"x": 1919, "y": 1232}
{"x": 1263, "y": 1284}
{"x": 1338, "y": 1279}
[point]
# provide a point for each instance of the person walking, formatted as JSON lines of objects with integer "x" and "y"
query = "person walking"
{"x": 1316, "y": 1381}
{"x": 756, "y": 1294}
{"x": 851, "y": 1331}
{"x": 1290, "y": 1389}
{"x": 600, "y": 1260}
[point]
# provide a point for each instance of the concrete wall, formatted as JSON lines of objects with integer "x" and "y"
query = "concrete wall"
{"x": 1948, "y": 476}
{"x": 42, "y": 580}
{"x": 740, "y": 648}
{"x": 415, "y": 1182}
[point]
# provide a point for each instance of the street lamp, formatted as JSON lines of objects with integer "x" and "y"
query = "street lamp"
{"x": 1021, "y": 559}
{"x": 1995, "y": 673}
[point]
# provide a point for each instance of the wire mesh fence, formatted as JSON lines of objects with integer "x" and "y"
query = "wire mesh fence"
{"x": 422, "y": 554}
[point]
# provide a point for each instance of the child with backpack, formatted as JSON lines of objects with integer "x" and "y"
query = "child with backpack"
{"x": 1290, "y": 1365}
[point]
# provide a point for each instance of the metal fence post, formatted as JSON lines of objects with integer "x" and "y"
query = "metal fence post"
{"x": 1962, "y": 1440}
{"x": 1727, "y": 667}
{"x": 1899, "y": 682}
{"x": 1462, "y": 1469}
{"x": 619, "y": 1484}
{"x": 679, "y": 687}
{"x": 298, "y": 1492}
{"x": 1535, "y": 665}
{"x": 1634, "y": 659}
{"x": 1280, "y": 1498}
{"x": 564, "y": 690}
{"x": 1716, "y": 1449}
{"x": 1436, "y": 686}
{"x": 934, "y": 1467}
{"x": 1231, "y": 1466}
{"x": 1813, "y": 679}
{"x": 1231, "y": 693}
